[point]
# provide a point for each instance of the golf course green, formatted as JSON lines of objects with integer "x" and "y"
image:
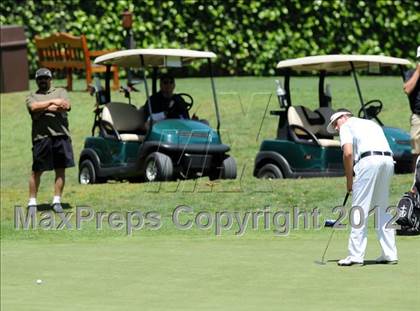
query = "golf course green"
{"x": 166, "y": 267}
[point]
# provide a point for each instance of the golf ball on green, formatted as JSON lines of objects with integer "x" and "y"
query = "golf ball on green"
{"x": 38, "y": 282}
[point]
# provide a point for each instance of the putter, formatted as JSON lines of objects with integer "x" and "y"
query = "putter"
{"x": 322, "y": 262}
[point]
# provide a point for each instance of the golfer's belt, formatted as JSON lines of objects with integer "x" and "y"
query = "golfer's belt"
{"x": 371, "y": 153}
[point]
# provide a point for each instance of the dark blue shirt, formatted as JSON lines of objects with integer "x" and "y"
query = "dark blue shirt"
{"x": 414, "y": 96}
{"x": 173, "y": 107}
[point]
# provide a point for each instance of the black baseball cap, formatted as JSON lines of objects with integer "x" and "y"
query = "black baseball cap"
{"x": 166, "y": 76}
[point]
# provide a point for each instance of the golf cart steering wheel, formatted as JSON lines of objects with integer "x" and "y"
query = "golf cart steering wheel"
{"x": 187, "y": 99}
{"x": 371, "y": 109}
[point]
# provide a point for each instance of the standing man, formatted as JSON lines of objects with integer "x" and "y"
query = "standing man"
{"x": 412, "y": 89}
{"x": 364, "y": 144}
{"x": 51, "y": 142}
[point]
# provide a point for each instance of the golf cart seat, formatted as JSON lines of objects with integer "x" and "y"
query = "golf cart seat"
{"x": 124, "y": 121}
{"x": 303, "y": 122}
{"x": 326, "y": 113}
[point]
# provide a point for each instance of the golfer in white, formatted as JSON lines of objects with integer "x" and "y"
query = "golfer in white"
{"x": 367, "y": 153}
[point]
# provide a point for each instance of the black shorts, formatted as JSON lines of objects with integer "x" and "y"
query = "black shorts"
{"x": 52, "y": 152}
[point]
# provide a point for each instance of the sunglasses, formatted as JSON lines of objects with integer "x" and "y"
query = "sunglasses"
{"x": 43, "y": 78}
{"x": 334, "y": 124}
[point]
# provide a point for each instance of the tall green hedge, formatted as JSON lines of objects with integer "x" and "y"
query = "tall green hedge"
{"x": 249, "y": 37}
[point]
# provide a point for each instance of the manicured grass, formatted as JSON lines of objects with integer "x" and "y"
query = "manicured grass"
{"x": 193, "y": 269}
{"x": 240, "y": 126}
{"x": 258, "y": 273}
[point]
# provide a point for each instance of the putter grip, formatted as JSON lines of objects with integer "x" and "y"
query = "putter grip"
{"x": 345, "y": 199}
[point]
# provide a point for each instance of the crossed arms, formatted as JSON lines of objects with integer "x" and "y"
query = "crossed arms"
{"x": 53, "y": 105}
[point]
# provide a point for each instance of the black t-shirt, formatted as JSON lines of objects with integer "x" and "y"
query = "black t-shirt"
{"x": 414, "y": 96}
{"x": 417, "y": 175}
{"x": 173, "y": 107}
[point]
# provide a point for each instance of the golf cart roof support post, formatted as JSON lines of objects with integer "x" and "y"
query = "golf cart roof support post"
{"x": 353, "y": 70}
{"x": 321, "y": 95}
{"x": 154, "y": 80}
{"x": 107, "y": 83}
{"x": 287, "y": 86}
{"x": 149, "y": 104}
{"x": 214, "y": 96}
{"x": 401, "y": 68}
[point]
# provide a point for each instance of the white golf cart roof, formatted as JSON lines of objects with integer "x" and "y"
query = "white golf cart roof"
{"x": 152, "y": 57}
{"x": 335, "y": 63}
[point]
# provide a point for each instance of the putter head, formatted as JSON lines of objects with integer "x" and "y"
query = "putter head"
{"x": 329, "y": 223}
{"x": 318, "y": 262}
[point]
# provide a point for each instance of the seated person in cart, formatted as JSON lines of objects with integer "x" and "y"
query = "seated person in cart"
{"x": 165, "y": 104}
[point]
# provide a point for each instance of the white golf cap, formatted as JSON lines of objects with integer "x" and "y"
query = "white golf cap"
{"x": 334, "y": 117}
{"x": 43, "y": 72}
{"x": 418, "y": 52}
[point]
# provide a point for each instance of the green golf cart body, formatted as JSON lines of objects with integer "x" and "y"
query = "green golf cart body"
{"x": 128, "y": 147}
{"x": 303, "y": 146}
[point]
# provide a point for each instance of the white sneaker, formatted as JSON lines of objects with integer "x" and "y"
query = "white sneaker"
{"x": 386, "y": 260}
{"x": 349, "y": 261}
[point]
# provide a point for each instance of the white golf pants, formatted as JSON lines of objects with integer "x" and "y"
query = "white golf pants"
{"x": 371, "y": 189}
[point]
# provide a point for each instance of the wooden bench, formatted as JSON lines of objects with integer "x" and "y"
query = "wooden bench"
{"x": 65, "y": 52}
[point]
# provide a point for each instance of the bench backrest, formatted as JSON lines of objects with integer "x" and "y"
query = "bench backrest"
{"x": 62, "y": 50}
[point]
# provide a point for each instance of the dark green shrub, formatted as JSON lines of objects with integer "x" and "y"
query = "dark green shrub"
{"x": 249, "y": 37}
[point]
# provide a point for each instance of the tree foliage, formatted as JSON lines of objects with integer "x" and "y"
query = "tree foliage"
{"x": 249, "y": 37}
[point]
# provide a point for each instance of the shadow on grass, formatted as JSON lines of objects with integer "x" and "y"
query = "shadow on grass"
{"x": 365, "y": 263}
{"x": 48, "y": 207}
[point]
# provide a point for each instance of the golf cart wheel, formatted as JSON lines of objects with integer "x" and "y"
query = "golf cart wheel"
{"x": 270, "y": 171}
{"x": 87, "y": 174}
{"x": 159, "y": 167}
{"x": 227, "y": 170}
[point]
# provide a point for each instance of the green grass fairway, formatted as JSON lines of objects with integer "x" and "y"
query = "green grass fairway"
{"x": 203, "y": 274}
{"x": 173, "y": 269}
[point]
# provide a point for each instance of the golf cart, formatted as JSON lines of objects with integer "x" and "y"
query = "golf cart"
{"x": 126, "y": 146}
{"x": 304, "y": 147}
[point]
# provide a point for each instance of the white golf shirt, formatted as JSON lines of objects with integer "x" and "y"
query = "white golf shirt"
{"x": 365, "y": 135}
